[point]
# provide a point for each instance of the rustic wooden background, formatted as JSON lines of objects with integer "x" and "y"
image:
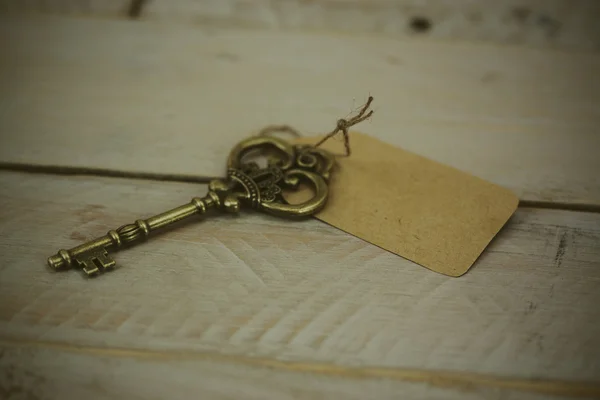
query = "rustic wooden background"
{"x": 113, "y": 110}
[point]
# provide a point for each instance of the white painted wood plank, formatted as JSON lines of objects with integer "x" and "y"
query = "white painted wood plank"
{"x": 297, "y": 291}
{"x": 164, "y": 98}
{"x": 58, "y": 372}
{"x": 564, "y": 24}
{"x": 559, "y": 24}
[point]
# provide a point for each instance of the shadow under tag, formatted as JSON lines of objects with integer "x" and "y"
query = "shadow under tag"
{"x": 427, "y": 212}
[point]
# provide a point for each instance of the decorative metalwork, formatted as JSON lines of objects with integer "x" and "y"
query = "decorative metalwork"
{"x": 246, "y": 184}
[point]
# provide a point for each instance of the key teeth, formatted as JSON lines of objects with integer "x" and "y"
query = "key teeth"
{"x": 96, "y": 263}
{"x": 105, "y": 261}
{"x": 91, "y": 270}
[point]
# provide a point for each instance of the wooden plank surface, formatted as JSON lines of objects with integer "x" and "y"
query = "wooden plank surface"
{"x": 564, "y": 24}
{"x": 54, "y": 371}
{"x": 288, "y": 310}
{"x": 170, "y": 99}
{"x": 559, "y": 24}
{"x": 256, "y": 286}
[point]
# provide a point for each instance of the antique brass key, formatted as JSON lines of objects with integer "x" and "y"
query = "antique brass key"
{"x": 246, "y": 184}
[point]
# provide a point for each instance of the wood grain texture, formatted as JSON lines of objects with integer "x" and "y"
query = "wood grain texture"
{"x": 563, "y": 24}
{"x": 173, "y": 99}
{"x": 260, "y": 287}
{"x": 52, "y": 371}
{"x": 559, "y": 24}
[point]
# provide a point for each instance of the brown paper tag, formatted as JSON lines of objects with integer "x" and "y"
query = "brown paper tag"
{"x": 427, "y": 212}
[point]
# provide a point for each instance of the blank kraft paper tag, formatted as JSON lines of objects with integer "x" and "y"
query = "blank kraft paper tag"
{"x": 427, "y": 212}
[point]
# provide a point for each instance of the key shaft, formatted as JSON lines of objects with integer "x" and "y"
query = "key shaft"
{"x": 129, "y": 234}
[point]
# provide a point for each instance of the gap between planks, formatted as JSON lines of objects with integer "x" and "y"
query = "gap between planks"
{"x": 446, "y": 379}
{"x": 152, "y": 176}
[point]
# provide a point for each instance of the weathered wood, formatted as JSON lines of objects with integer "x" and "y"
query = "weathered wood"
{"x": 297, "y": 291}
{"x": 557, "y": 24}
{"x": 172, "y": 99}
{"x": 56, "y": 371}
{"x": 255, "y": 307}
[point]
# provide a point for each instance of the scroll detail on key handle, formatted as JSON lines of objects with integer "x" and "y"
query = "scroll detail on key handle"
{"x": 246, "y": 184}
